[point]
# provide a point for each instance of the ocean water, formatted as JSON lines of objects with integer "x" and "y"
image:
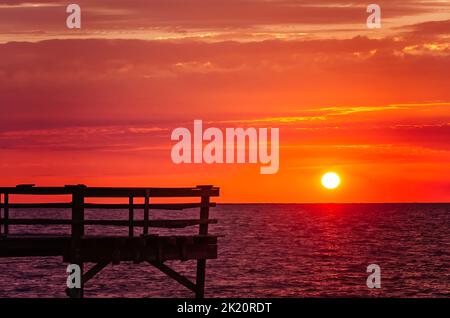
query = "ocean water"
{"x": 274, "y": 250}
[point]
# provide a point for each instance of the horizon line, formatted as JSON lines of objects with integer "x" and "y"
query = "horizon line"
{"x": 267, "y": 203}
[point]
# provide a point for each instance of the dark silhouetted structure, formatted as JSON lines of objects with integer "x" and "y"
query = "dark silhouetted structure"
{"x": 78, "y": 248}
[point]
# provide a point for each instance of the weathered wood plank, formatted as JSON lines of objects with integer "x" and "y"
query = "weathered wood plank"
{"x": 107, "y": 206}
{"x": 98, "y": 248}
{"x": 33, "y": 246}
{"x": 116, "y": 191}
{"x": 153, "y": 251}
{"x": 153, "y": 206}
{"x": 181, "y": 223}
{"x": 154, "y": 192}
{"x": 36, "y": 190}
{"x": 63, "y": 205}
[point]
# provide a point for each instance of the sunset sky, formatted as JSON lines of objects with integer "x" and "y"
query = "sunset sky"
{"x": 98, "y": 105}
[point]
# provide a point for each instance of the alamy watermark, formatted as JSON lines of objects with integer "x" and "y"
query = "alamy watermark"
{"x": 374, "y": 279}
{"x": 374, "y": 20}
{"x": 73, "y": 21}
{"x": 229, "y": 147}
{"x": 74, "y": 276}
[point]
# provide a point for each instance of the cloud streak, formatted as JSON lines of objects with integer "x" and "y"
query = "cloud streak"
{"x": 232, "y": 19}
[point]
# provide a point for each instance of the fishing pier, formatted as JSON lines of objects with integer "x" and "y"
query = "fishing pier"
{"x": 92, "y": 253}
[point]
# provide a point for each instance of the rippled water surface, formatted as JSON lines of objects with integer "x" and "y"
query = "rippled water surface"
{"x": 276, "y": 251}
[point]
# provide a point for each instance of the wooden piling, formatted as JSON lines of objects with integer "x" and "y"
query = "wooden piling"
{"x": 77, "y": 234}
{"x": 203, "y": 230}
{"x": 1, "y": 223}
{"x": 146, "y": 212}
{"x": 131, "y": 217}
{"x": 6, "y": 214}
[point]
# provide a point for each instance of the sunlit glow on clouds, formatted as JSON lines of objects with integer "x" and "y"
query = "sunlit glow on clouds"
{"x": 246, "y": 20}
{"x": 28, "y": 5}
{"x": 97, "y": 105}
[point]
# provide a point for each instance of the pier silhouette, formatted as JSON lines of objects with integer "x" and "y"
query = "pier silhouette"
{"x": 100, "y": 250}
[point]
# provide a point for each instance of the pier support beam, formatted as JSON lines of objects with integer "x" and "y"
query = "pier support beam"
{"x": 200, "y": 280}
{"x": 97, "y": 268}
{"x": 203, "y": 230}
{"x": 176, "y": 276}
{"x": 77, "y": 235}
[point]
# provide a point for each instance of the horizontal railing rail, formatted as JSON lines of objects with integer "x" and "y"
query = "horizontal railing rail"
{"x": 79, "y": 193}
{"x": 178, "y": 223}
{"x": 108, "y": 206}
{"x": 109, "y": 192}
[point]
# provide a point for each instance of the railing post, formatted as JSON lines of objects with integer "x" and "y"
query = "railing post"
{"x": 146, "y": 212}
{"x": 6, "y": 214}
{"x": 203, "y": 230}
{"x": 77, "y": 214}
{"x": 77, "y": 234}
{"x": 131, "y": 217}
{"x": 1, "y": 223}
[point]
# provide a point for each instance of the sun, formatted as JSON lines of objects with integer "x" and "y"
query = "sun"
{"x": 331, "y": 180}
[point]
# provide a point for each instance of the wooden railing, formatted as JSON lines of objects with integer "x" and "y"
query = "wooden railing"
{"x": 80, "y": 192}
{"x": 79, "y": 249}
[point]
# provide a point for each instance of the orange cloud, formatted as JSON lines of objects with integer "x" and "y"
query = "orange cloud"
{"x": 372, "y": 106}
